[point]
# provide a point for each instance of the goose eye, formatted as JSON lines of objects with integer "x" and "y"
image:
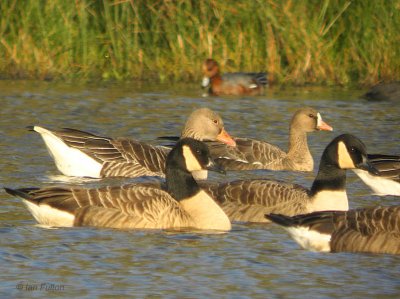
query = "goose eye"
{"x": 311, "y": 115}
{"x": 215, "y": 121}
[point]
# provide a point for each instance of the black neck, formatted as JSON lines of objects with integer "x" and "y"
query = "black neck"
{"x": 180, "y": 183}
{"x": 330, "y": 177}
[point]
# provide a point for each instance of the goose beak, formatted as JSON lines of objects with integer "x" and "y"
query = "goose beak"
{"x": 224, "y": 137}
{"x": 321, "y": 125}
{"x": 212, "y": 166}
{"x": 366, "y": 165}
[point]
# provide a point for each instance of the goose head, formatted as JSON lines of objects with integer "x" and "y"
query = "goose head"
{"x": 186, "y": 158}
{"x": 348, "y": 152}
{"x": 190, "y": 155}
{"x": 206, "y": 125}
{"x": 309, "y": 120}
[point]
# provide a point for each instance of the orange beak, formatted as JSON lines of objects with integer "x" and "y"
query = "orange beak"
{"x": 224, "y": 137}
{"x": 321, "y": 125}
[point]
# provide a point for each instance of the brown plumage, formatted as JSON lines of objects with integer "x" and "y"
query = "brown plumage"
{"x": 78, "y": 153}
{"x": 255, "y": 154}
{"x": 248, "y": 200}
{"x": 179, "y": 204}
{"x": 375, "y": 230}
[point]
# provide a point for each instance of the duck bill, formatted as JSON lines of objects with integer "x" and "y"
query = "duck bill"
{"x": 205, "y": 82}
{"x": 366, "y": 165}
{"x": 212, "y": 166}
{"x": 321, "y": 125}
{"x": 224, "y": 137}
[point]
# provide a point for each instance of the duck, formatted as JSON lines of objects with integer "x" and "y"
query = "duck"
{"x": 387, "y": 181}
{"x": 249, "y": 200}
{"x": 385, "y": 91}
{"x": 249, "y": 154}
{"x": 232, "y": 83}
{"x": 82, "y": 154}
{"x": 372, "y": 230}
{"x": 182, "y": 205}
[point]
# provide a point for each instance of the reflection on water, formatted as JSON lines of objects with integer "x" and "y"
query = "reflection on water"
{"x": 251, "y": 261}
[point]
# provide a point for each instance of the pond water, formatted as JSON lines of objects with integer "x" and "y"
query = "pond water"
{"x": 257, "y": 261}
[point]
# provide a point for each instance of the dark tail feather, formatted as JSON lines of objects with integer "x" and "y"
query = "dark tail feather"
{"x": 30, "y": 128}
{"x": 172, "y": 138}
{"x": 304, "y": 219}
{"x": 23, "y": 192}
{"x": 262, "y": 78}
{"x": 280, "y": 219}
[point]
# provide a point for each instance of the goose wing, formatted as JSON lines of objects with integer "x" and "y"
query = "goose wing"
{"x": 249, "y": 154}
{"x": 367, "y": 230}
{"x": 162, "y": 212}
{"x": 120, "y": 157}
{"x": 137, "y": 159}
{"x": 249, "y": 200}
{"x": 388, "y": 165}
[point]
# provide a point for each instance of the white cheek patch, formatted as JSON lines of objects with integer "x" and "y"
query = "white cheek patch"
{"x": 344, "y": 159}
{"x": 192, "y": 164}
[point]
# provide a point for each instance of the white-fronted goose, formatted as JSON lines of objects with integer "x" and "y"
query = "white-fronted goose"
{"x": 387, "y": 182}
{"x": 183, "y": 205}
{"x": 78, "y": 153}
{"x": 255, "y": 154}
{"x": 249, "y": 200}
{"x": 375, "y": 230}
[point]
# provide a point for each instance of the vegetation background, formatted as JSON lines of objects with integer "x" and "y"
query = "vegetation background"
{"x": 297, "y": 42}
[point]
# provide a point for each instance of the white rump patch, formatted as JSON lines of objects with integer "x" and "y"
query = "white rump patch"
{"x": 69, "y": 161}
{"x": 379, "y": 185}
{"x": 252, "y": 86}
{"x": 310, "y": 239}
{"x": 46, "y": 215}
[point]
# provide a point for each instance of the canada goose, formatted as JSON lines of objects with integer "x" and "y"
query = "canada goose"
{"x": 255, "y": 154}
{"x": 78, "y": 153}
{"x": 374, "y": 230}
{"x": 249, "y": 200}
{"x": 387, "y": 182}
{"x": 183, "y": 205}
{"x": 232, "y": 83}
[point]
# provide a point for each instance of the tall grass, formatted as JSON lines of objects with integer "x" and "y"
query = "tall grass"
{"x": 310, "y": 41}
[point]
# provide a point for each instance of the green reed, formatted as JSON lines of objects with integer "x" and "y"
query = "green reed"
{"x": 322, "y": 42}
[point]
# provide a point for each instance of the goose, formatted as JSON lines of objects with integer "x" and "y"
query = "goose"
{"x": 387, "y": 182}
{"x": 82, "y": 154}
{"x": 249, "y": 200}
{"x": 231, "y": 83}
{"x": 255, "y": 154}
{"x": 373, "y": 230}
{"x": 146, "y": 206}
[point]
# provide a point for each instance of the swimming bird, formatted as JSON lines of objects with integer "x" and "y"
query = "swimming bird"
{"x": 374, "y": 230}
{"x": 256, "y": 154}
{"x": 232, "y": 83}
{"x": 249, "y": 200}
{"x": 182, "y": 205}
{"x": 387, "y": 182}
{"x": 82, "y": 154}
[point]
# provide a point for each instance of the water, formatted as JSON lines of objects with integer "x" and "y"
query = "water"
{"x": 258, "y": 261}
